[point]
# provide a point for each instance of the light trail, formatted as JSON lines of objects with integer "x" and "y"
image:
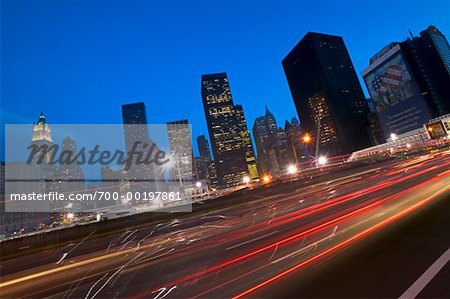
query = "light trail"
{"x": 343, "y": 244}
{"x": 278, "y": 221}
{"x": 307, "y": 232}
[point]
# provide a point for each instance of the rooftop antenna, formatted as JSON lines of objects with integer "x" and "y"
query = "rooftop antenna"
{"x": 410, "y": 33}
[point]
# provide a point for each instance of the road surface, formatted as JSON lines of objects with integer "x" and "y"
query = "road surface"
{"x": 281, "y": 243}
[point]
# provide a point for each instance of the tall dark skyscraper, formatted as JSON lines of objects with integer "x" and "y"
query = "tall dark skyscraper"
{"x": 428, "y": 56}
{"x": 143, "y": 177}
{"x": 134, "y": 117}
{"x": 203, "y": 147}
{"x": 409, "y": 81}
{"x": 327, "y": 95}
{"x": 227, "y": 144}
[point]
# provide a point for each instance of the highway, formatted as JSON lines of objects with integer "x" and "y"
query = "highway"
{"x": 262, "y": 244}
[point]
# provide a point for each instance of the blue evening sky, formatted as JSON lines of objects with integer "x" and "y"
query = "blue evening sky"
{"x": 79, "y": 60}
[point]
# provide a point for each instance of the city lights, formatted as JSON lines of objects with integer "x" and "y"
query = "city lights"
{"x": 307, "y": 138}
{"x": 70, "y": 216}
{"x": 181, "y": 154}
{"x": 322, "y": 160}
{"x": 292, "y": 169}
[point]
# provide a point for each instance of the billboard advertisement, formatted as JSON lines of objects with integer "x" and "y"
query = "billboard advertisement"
{"x": 397, "y": 99}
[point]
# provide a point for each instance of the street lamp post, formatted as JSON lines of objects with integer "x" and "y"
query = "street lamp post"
{"x": 306, "y": 141}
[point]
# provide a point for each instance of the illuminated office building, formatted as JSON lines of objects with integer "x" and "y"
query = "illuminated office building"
{"x": 228, "y": 147}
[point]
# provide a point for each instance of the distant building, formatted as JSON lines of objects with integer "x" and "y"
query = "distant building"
{"x": 19, "y": 222}
{"x": 277, "y": 147}
{"x": 228, "y": 146}
{"x": 245, "y": 135}
{"x": 205, "y": 167}
{"x": 279, "y": 152}
{"x": 429, "y": 58}
{"x": 203, "y": 147}
{"x": 409, "y": 81}
{"x": 23, "y": 178}
{"x": 260, "y": 134}
{"x": 134, "y": 117}
{"x": 295, "y": 141}
{"x": 112, "y": 182}
{"x": 70, "y": 176}
{"x": 70, "y": 170}
{"x": 40, "y": 168}
{"x": 180, "y": 142}
{"x": 42, "y": 136}
{"x": 142, "y": 177}
{"x": 262, "y": 128}
{"x": 327, "y": 95}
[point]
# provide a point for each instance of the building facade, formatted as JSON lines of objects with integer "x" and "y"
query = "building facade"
{"x": 204, "y": 164}
{"x": 228, "y": 146}
{"x": 180, "y": 143}
{"x": 428, "y": 56}
{"x": 327, "y": 95}
{"x": 263, "y": 127}
{"x": 142, "y": 177}
{"x": 247, "y": 142}
{"x": 409, "y": 81}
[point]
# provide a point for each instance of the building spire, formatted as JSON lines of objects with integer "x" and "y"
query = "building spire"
{"x": 41, "y": 120}
{"x": 268, "y": 113}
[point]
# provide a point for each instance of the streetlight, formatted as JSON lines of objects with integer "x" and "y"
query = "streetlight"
{"x": 292, "y": 169}
{"x": 307, "y": 138}
{"x": 198, "y": 184}
{"x": 70, "y": 216}
{"x": 246, "y": 179}
{"x": 266, "y": 179}
{"x": 322, "y": 160}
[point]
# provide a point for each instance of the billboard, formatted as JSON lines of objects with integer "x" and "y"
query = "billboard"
{"x": 397, "y": 99}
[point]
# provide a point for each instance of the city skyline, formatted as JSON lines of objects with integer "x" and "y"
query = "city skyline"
{"x": 52, "y": 85}
{"x": 225, "y": 149}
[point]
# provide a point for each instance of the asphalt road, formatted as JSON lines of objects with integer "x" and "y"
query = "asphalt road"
{"x": 344, "y": 236}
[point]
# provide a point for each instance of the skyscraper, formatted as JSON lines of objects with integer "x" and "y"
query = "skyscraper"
{"x": 277, "y": 148}
{"x": 227, "y": 144}
{"x": 42, "y": 136}
{"x": 245, "y": 135}
{"x": 205, "y": 166}
{"x": 70, "y": 170}
{"x": 180, "y": 142}
{"x": 203, "y": 147}
{"x": 143, "y": 177}
{"x": 263, "y": 127}
{"x": 295, "y": 140}
{"x": 327, "y": 95}
{"x": 134, "y": 117}
{"x": 409, "y": 81}
{"x": 428, "y": 56}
